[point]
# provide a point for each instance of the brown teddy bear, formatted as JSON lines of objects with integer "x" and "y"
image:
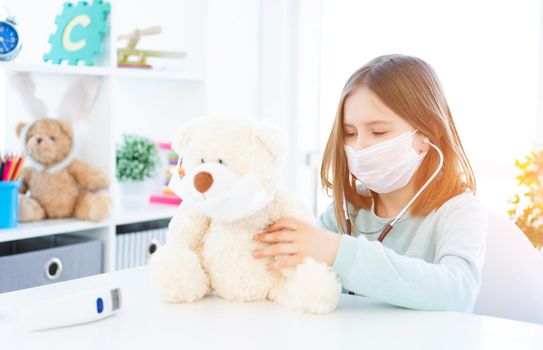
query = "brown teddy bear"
{"x": 64, "y": 186}
{"x": 58, "y": 185}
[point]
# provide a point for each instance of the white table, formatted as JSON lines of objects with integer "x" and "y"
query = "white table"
{"x": 358, "y": 323}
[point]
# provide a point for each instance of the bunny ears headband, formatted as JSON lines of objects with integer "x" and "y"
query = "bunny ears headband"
{"x": 74, "y": 106}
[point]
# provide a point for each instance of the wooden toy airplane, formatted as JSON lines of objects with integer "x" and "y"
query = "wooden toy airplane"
{"x": 130, "y": 56}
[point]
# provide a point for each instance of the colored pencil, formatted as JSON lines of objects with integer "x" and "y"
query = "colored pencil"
{"x": 14, "y": 161}
{"x": 17, "y": 169}
{"x": 7, "y": 169}
{"x": 2, "y": 165}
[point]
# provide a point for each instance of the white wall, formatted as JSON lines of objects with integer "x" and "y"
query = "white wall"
{"x": 232, "y": 58}
{"x": 289, "y": 85}
{"x": 539, "y": 126}
{"x": 485, "y": 53}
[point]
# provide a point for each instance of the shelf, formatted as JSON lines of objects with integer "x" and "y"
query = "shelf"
{"x": 155, "y": 74}
{"x": 147, "y": 212}
{"x": 143, "y": 213}
{"x": 56, "y": 69}
{"x": 48, "y": 227}
{"x": 135, "y": 73}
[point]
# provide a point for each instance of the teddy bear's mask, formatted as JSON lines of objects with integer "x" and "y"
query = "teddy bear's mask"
{"x": 215, "y": 190}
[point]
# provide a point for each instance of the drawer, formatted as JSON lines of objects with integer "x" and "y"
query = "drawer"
{"x": 136, "y": 243}
{"x": 43, "y": 260}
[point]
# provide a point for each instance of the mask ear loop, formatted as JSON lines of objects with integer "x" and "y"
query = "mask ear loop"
{"x": 179, "y": 159}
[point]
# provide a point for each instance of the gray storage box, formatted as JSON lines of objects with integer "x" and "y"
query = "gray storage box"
{"x": 43, "y": 260}
{"x": 137, "y": 242}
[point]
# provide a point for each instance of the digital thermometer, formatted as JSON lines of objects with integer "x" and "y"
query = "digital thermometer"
{"x": 72, "y": 309}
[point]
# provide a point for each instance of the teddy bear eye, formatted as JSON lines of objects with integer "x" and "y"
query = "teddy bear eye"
{"x": 220, "y": 161}
{"x": 52, "y": 138}
{"x": 202, "y": 160}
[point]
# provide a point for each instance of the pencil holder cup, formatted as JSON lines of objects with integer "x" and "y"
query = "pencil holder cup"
{"x": 9, "y": 203}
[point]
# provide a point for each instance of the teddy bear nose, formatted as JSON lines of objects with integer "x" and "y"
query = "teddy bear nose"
{"x": 203, "y": 181}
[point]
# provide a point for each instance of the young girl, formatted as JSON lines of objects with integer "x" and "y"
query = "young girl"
{"x": 397, "y": 170}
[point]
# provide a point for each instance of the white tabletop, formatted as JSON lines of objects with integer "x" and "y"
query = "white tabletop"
{"x": 358, "y": 323}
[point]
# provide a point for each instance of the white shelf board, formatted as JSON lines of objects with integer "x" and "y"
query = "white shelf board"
{"x": 140, "y": 73}
{"x": 146, "y": 212}
{"x": 136, "y": 73}
{"x": 48, "y": 227}
{"x": 55, "y": 69}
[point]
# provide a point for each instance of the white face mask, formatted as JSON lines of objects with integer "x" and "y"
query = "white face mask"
{"x": 231, "y": 196}
{"x": 386, "y": 166}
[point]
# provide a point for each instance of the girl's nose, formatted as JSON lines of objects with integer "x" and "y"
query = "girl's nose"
{"x": 361, "y": 143}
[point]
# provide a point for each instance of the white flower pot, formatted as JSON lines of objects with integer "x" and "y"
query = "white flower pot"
{"x": 135, "y": 194}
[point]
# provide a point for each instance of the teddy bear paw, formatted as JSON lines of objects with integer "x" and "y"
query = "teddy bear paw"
{"x": 30, "y": 209}
{"x": 312, "y": 287}
{"x": 178, "y": 274}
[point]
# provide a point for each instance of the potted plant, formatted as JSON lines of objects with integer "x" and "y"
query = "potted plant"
{"x": 527, "y": 204}
{"x": 136, "y": 163}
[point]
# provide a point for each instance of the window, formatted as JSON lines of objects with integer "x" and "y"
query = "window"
{"x": 485, "y": 53}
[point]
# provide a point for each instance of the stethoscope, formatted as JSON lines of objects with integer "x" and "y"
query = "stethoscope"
{"x": 390, "y": 225}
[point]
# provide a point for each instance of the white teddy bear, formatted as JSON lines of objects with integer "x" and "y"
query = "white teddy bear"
{"x": 229, "y": 195}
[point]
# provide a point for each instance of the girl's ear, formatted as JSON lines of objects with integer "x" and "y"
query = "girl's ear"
{"x": 79, "y": 99}
{"x": 271, "y": 140}
{"x": 424, "y": 144}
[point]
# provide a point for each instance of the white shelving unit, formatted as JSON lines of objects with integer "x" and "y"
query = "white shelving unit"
{"x": 147, "y": 102}
{"x": 160, "y": 74}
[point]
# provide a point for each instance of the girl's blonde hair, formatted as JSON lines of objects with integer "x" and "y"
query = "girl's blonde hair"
{"x": 409, "y": 87}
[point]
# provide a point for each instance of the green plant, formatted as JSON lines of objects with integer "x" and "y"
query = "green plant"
{"x": 137, "y": 158}
{"x": 527, "y": 204}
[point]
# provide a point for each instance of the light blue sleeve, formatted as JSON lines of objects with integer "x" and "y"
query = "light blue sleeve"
{"x": 327, "y": 219}
{"x": 451, "y": 283}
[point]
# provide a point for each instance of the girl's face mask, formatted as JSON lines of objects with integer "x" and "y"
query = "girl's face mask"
{"x": 386, "y": 166}
{"x": 234, "y": 196}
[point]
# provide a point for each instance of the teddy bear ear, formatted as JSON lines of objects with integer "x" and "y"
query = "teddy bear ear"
{"x": 66, "y": 127}
{"x": 19, "y": 128}
{"x": 272, "y": 140}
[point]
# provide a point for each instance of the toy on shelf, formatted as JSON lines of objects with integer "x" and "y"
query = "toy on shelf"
{"x": 57, "y": 184}
{"x": 10, "y": 40}
{"x": 167, "y": 196}
{"x": 80, "y": 31}
{"x": 132, "y": 57}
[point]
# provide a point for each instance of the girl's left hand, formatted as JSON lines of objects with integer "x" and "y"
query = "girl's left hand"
{"x": 293, "y": 241}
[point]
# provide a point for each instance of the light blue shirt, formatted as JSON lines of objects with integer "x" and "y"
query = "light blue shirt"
{"x": 427, "y": 263}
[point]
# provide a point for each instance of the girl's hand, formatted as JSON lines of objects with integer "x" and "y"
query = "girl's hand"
{"x": 293, "y": 241}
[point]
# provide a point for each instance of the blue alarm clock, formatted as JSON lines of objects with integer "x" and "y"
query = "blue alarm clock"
{"x": 10, "y": 42}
